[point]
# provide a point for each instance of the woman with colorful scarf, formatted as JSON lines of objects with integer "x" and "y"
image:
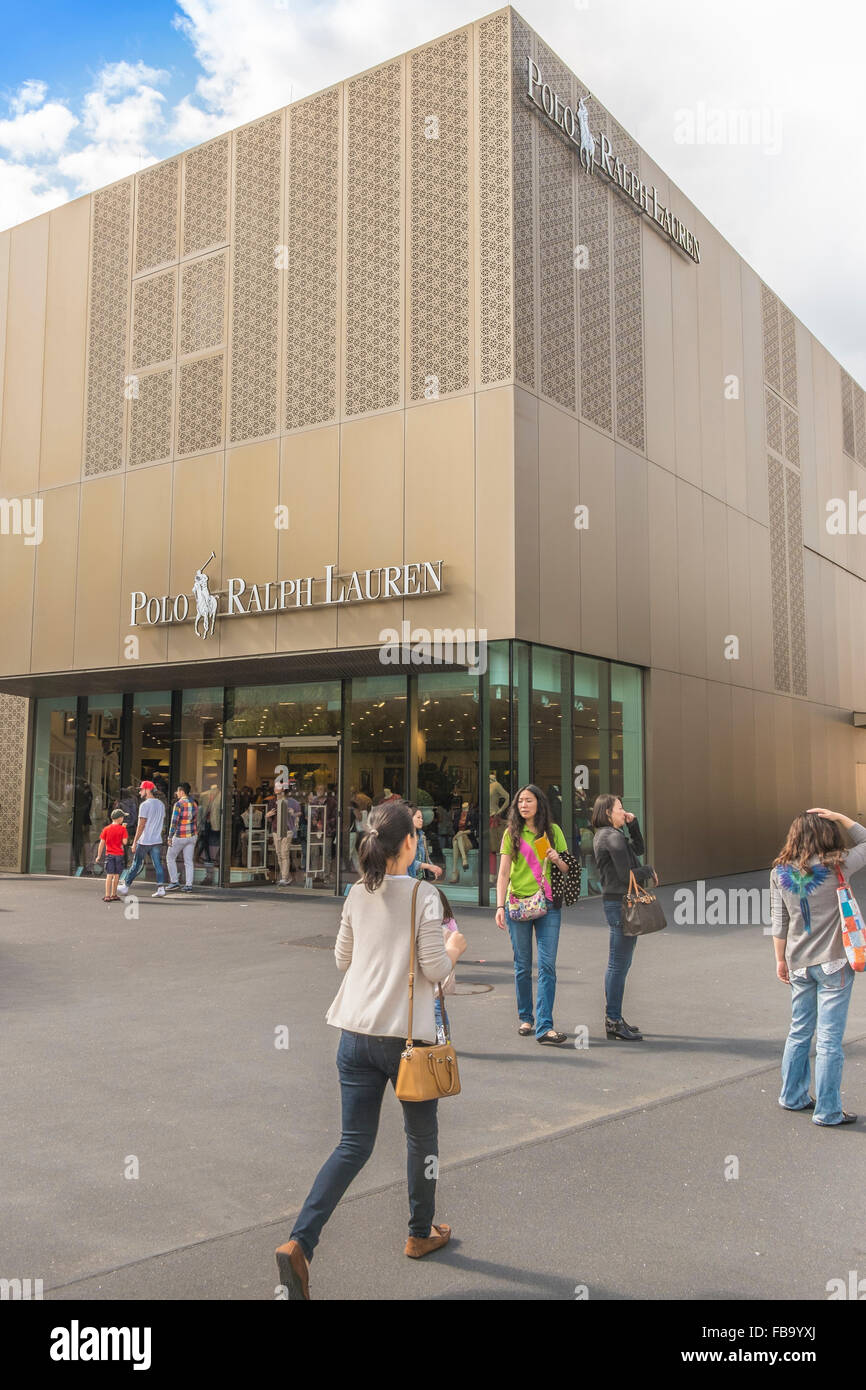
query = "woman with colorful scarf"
{"x": 524, "y": 899}
{"x": 810, "y": 956}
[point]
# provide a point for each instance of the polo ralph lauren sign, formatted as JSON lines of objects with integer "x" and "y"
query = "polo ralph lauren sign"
{"x": 240, "y": 600}
{"x": 598, "y": 156}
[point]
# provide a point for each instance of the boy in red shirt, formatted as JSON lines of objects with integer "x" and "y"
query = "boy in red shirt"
{"x": 111, "y": 842}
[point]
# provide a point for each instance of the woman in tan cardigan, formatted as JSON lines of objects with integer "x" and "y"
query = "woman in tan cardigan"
{"x": 372, "y": 1010}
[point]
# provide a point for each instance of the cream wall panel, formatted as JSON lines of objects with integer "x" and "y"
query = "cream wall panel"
{"x": 687, "y": 384}
{"x": 5, "y": 244}
{"x": 663, "y": 567}
{"x": 692, "y": 598}
{"x": 759, "y": 587}
{"x": 494, "y": 511}
{"x": 844, "y": 629}
{"x": 822, "y": 486}
{"x": 733, "y": 410}
{"x": 658, "y": 333}
{"x": 310, "y": 488}
{"x": 250, "y": 541}
{"x": 17, "y": 571}
{"x": 559, "y": 548}
{"x": 54, "y": 599}
{"x": 764, "y": 795}
{"x": 829, "y": 632}
{"x": 598, "y": 600}
{"x": 711, "y": 360}
{"x": 371, "y": 519}
{"x": 196, "y": 530}
{"x": 740, "y": 833}
{"x": 527, "y": 559}
{"x": 787, "y": 800}
{"x": 100, "y": 614}
{"x": 818, "y": 768}
{"x": 716, "y": 589}
{"x": 721, "y": 811}
{"x": 695, "y": 786}
{"x": 632, "y": 557}
{"x": 440, "y": 509}
{"x": 753, "y": 396}
{"x": 65, "y": 344}
{"x": 812, "y": 523}
{"x": 739, "y": 597}
{"x": 25, "y": 346}
{"x": 146, "y": 545}
{"x": 665, "y": 765}
{"x": 816, "y": 674}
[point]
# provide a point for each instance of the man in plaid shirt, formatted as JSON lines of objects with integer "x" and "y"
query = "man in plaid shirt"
{"x": 181, "y": 837}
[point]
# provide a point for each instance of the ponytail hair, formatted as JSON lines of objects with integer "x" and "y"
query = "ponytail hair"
{"x": 383, "y": 837}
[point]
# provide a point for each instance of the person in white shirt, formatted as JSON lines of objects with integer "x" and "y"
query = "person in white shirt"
{"x": 147, "y": 841}
{"x": 372, "y": 1010}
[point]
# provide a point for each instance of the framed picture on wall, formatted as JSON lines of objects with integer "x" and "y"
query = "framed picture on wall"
{"x": 110, "y": 725}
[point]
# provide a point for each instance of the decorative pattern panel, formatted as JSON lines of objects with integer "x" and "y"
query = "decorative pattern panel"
{"x": 203, "y": 304}
{"x": 374, "y": 241}
{"x": 848, "y": 389}
{"x": 153, "y": 309}
{"x": 107, "y": 328}
{"x": 523, "y": 133}
{"x": 770, "y": 322}
{"x": 255, "y": 347}
{"x": 439, "y": 284}
{"x": 156, "y": 217}
{"x": 150, "y": 419}
{"x": 494, "y": 187}
{"x": 313, "y": 272}
{"x": 773, "y": 408}
{"x": 779, "y": 575}
{"x": 796, "y": 594}
{"x": 788, "y": 353}
{"x": 594, "y": 289}
{"x": 556, "y": 240}
{"x": 206, "y": 196}
{"x": 628, "y": 305}
{"x": 200, "y": 405}
{"x": 859, "y": 401}
{"x": 791, "y": 422}
{"x": 13, "y": 758}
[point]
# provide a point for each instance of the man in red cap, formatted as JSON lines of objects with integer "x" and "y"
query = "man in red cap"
{"x": 148, "y": 840}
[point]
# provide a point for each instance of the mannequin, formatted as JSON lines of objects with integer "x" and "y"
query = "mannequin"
{"x": 462, "y": 841}
{"x": 498, "y": 802}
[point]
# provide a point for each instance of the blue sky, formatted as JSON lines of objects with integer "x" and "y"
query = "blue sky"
{"x": 91, "y": 92}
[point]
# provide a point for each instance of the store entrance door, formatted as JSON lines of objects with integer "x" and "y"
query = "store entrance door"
{"x": 292, "y": 841}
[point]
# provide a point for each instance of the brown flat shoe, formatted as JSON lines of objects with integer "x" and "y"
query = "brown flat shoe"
{"x": 416, "y": 1246}
{"x": 294, "y": 1271}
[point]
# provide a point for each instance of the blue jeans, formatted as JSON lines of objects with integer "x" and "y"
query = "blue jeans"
{"x": 547, "y": 941}
{"x": 135, "y": 868}
{"x": 618, "y": 961}
{"x": 366, "y": 1064}
{"x": 819, "y": 1000}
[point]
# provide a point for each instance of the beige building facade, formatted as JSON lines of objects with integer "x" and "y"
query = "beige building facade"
{"x": 413, "y": 326}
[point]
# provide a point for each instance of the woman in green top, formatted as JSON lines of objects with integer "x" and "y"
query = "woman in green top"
{"x": 529, "y": 820}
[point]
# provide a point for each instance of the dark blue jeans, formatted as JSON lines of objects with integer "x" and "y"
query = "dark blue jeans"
{"x": 135, "y": 868}
{"x": 618, "y": 961}
{"x": 547, "y": 941}
{"x": 366, "y": 1064}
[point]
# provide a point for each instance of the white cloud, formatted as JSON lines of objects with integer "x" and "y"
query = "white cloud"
{"x": 26, "y": 192}
{"x": 38, "y": 134}
{"x": 30, "y": 93}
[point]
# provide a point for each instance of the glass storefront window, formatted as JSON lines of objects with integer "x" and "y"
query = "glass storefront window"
{"x": 626, "y": 737}
{"x": 448, "y": 745}
{"x": 587, "y": 763}
{"x": 267, "y": 711}
{"x": 501, "y": 785}
{"x": 549, "y": 742}
{"x": 99, "y": 790}
{"x": 200, "y": 758}
{"x": 151, "y": 741}
{"x": 377, "y": 763}
{"x": 53, "y": 787}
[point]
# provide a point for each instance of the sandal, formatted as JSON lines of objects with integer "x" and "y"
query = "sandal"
{"x": 553, "y": 1039}
{"x": 108, "y": 900}
{"x": 525, "y": 1029}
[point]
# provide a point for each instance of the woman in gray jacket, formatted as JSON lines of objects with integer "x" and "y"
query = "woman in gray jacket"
{"x": 810, "y": 956}
{"x": 372, "y": 1011}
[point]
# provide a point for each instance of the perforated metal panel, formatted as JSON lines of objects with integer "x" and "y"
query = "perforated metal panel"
{"x": 13, "y": 760}
{"x": 593, "y": 201}
{"x": 523, "y": 132}
{"x": 848, "y": 388}
{"x": 256, "y": 285}
{"x": 779, "y": 575}
{"x": 770, "y": 323}
{"x": 313, "y": 272}
{"x": 200, "y": 405}
{"x": 628, "y": 304}
{"x": 556, "y": 243}
{"x": 796, "y": 595}
{"x": 791, "y": 432}
{"x": 206, "y": 196}
{"x": 439, "y": 252}
{"x": 150, "y": 419}
{"x": 773, "y": 414}
{"x": 788, "y": 353}
{"x": 374, "y": 241}
{"x": 203, "y": 303}
{"x": 153, "y": 314}
{"x": 156, "y": 215}
{"x": 107, "y": 328}
{"x": 859, "y": 404}
{"x": 495, "y": 193}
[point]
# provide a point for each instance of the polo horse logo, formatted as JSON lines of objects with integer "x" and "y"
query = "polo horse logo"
{"x": 587, "y": 142}
{"x": 205, "y": 601}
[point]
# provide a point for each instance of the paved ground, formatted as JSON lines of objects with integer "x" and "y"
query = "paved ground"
{"x": 152, "y": 1041}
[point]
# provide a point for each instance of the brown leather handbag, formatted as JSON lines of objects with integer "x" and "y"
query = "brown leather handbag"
{"x": 641, "y": 910}
{"x": 425, "y": 1072}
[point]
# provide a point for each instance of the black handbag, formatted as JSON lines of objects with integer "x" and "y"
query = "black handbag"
{"x": 641, "y": 910}
{"x": 566, "y": 887}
